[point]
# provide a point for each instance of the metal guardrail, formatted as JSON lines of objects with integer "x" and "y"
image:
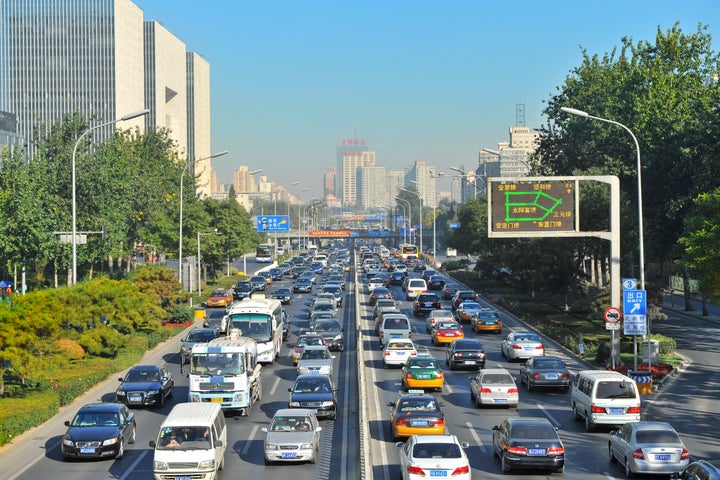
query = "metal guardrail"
{"x": 366, "y": 464}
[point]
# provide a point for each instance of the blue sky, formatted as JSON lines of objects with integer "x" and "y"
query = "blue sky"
{"x": 418, "y": 80}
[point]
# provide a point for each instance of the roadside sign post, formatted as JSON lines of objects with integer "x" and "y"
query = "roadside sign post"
{"x": 635, "y": 308}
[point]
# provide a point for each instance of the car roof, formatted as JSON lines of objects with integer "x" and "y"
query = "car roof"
{"x": 155, "y": 367}
{"x": 101, "y": 407}
{"x": 315, "y": 347}
{"x": 435, "y": 438}
{"x": 493, "y": 370}
{"x": 289, "y": 412}
{"x": 529, "y": 420}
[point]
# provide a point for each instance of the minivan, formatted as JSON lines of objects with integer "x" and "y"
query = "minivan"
{"x": 604, "y": 397}
{"x": 394, "y": 326}
{"x": 191, "y": 442}
{"x": 415, "y": 287}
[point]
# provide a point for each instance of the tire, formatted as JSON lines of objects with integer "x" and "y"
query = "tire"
{"x": 268, "y": 462}
{"x": 628, "y": 473}
{"x": 530, "y": 388}
{"x": 162, "y": 399}
{"x": 133, "y": 435}
{"x": 560, "y": 470}
{"x": 172, "y": 391}
{"x": 576, "y": 414}
{"x": 121, "y": 450}
{"x": 504, "y": 465}
{"x": 588, "y": 424}
{"x": 611, "y": 455}
{"x": 222, "y": 463}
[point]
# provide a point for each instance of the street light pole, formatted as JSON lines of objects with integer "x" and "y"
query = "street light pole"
{"x": 404, "y": 217}
{"x": 583, "y": 114}
{"x": 465, "y": 174}
{"x": 129, "y": 116}
{"x": 180, "y": 236}
{"x": 409, "y": 215}
{"x": 421, "y": 216}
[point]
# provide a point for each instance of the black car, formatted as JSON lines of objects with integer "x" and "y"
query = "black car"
{"x": 194, "y": 336}
{"x": 436, "y": 282}
{"x": 276, "y": 274}
{"x": 425, "y": 303}
{"x": 302, "y": 285}
{"x": 145, "y": 385}
{"x": 315, "y": 392}
{"x": 332, "y": 332}
{"x": 397, "y": 278}
{"x": 545, "y": 371}
{"x": 98, "y": 430}
{"x": 258, "y": 282}
{"x": 427, "y": 273}
{"x": 283, "y": 294}
{"x": 528, "y": 443}
{"x": 465, "y": 353}
{"x": 214, "y": 320}
{"x": 242, "y": 290}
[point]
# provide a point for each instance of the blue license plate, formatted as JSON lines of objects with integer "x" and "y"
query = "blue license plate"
{"x": 182, "y": 478}
{"x": 615, "y": 411}
{"x": 85, "y": 451}
{"x": 536, "y": 451}
{"x": 551, "y": 376}
{"x": 438, "y": 473}
{"x": 500, "y": 400}
{"x": 423, "y": 376}
{"x": 662, "y": 457}
{"x": 400, "y": 354}
{"x": 420, "y": 423}
{"x": 289, "y": 455}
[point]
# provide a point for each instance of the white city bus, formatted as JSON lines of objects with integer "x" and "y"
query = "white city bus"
{"x": 261, "y": 319}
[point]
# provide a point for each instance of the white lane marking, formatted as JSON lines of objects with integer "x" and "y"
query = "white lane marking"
{"x": 249, "y": 440}
{"x": 134, "y": 464}
{"x": 275, "y": 386}
{"x": 346, "y": 420}
{"x": 549, "y": 415}
{"x": 476, "y": 437}
{"x": 376, "y": 398}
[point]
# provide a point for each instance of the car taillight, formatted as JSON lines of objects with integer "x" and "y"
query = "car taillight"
{"x": 439, "y": 375}
{"x": 517, "y": 347}
{"x": 685, "y": 455}
{"x": 400, "y": 421}
{"x": 566, "y": 375}
{"x": 461, "y": 470}
{"x": 387, "y": 354}
{"x": 439, "y": 421}
{"x": 539, "y": 347}
{"x": 484, "y": 390}
{"x": 634, "y": 409}
{"x": 413, "y": 354}
{"x": 517, "y": 450}
{"x": 536, "y": 375}
{"x": 594, "y": 409}
{"x": 409, "y": 334}
{"x": 412, "y": 470}
{"x": 638, "y": 454}
{"x": 556, "y": 451}
{"x": 512, "y": 390}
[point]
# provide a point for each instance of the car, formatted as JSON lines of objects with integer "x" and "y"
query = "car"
{"x": 374, "y": 283}
{"x": 466, "y": 311}
{"x": 145, "y": 385}
{"x": 465, "y": 353}
{"x": 284, "y": 294}
{"x": 219, "y": 298}
{"x": 436, "y": 282}
{"x": 400, "y": 268}
{"x": 315, "y": 360}
{"x": 315, "y": 317}
{"x": 546, "y": 371}
{"x": 493, "y": 386}
{"x": 215, "y": 319}
{"x": 461, "y": 295}
{"x": 266, "y": 275}
{"x": 446, "y": 332}
{"x": 437, "y": 315}
{"x": 379, "y": 292}
{"x": 293, "y": 436}
{"x": 416, "y": 413}
{"x": 302, "y": 285}
{"x": 519, "y": 345}
{"x": 396, "y": 278}
{"x": 383, "y": 304}
{"x": 372, "y": 269}
{"x": 303, "y": 340}
{"x": 332, "y": 332}
{"x": 434, "y": 456}
{"x": 395, "y": 325}
{"x": 194, "y": 337}
{"x": 486, "y": 320}
{"x": 427, "y": 273}
{"x": 425, "y": 303}
{"x": 415, "y": 286}
{"x": 317, "y": 393}
{"x": 317, "y": 267}
{"x": 98, "y": 430}
{"x": 397, "y": 351}
{"x": 419, "y": 266}
{"x": 310, "y": 275}
{"x": 698, "y": 470}
{"x": 323, "y": 305}
{"x": 336, "y": 290}
{"x": 337, "y": 280}
{"x": 276, "y": 274}
{"x": 242, "y": 290}
{"x": 258, "y": 282}
{"x": 528, "y": 443}
{"x": 448, "y": 291}
{"x": 648, "y": 447}
{"x": 422, "y": 372}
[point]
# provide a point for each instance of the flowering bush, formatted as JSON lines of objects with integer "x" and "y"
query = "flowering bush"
{"x": 658, "y": 370}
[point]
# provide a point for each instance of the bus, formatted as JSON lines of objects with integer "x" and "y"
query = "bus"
{"x": 408, "y": 250}
{"x": 262, "y": 320}
{"x": 264, "y": 253}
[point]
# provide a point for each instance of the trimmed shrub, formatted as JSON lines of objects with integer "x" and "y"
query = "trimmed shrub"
{"x": 18, "y": 415}
{"x": 70, "y": 349}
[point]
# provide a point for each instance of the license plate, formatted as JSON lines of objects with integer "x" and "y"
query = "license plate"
{"x": 664, "y": 456}
{"x": 394, "y": 336}
{"x": 500, "y": 400}
{"x": 536, "y": 451}
{"x": 314, "y": 410}
{"x": 551, "y": 376}
{"x": 615, "y": 411}
{"x": 420, "y": 423}
{"x": 449, "y": 334}
{"x": 216, "y": 399}
{"x": 469, "y": 362}
{"x": 423, "y": 376}
{"x": 182, "y": 478}
{"x": 84, "y": 451}
{"x": 135, "y": 398}
{"x": 314, "y": 372}
{"x": 399, "y": 354}
{"x": 528, "y": 349}
{"x": 438, "y": 473}
{"x": 289, "y": 455}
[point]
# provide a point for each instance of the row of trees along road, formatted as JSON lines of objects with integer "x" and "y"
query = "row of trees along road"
{"x": 668, "y": 93}
{"x": 129, "y": 185}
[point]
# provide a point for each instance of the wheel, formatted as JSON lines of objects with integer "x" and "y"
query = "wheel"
{"x": 611, "y": 455}
{"x": 133, "y": 434}
{"x": 576, "y": 414}
{"x": 121, "y": 450}
{"x": 268, "y": 462}
{"x": 529, "y": 387}
{"x": 588, "y": 424}
{"x": 222, "y": 463}
{"x": 172, "y": 391}
{"x": 504, "y": 464}
{"x": 162, "y": 399}
{"x": 560, "y": 469}
{"x": 628, "y": 473}
{"x": 385, "y": 365}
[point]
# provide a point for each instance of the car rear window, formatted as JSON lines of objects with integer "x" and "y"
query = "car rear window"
{"x": 436, "y": 450}
{"x": 615, "y": 389}
{"x": 535, "y": 432}
{"x": 497, "y": 378}
{"x": 397, "y": 323}
{"x": 657, "y": 436}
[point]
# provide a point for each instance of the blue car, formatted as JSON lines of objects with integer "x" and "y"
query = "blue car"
{"x": 316, "y": 393}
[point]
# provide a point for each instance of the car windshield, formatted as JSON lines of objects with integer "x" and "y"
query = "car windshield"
{"x": 218, "y": 293}
{"x": 312, "y": 386}
{"x": 199, "y": 337}
{"x": 436, "y": 450}
{"x": 535, "y": 432}
{"x": 290, "y": 424}
{"x": 327, "y": 327}
{"x": 315, "y": 354}
{"x": 184, "y": 438}
{"x": 96, "y": 419}
{"x": 657, "y": 436}
{"x": 417, "y": 405}
{"x": 227, "y": 364}
{"x": 497, "y": 378}
{"x": 615, "y": 389}
{"x": 282, "y": 291}
{"x": 302, "y": 341}
{"x": 255, "y": 326}
{"x": 142, "y": 376}
{"x": 243, "y": 287}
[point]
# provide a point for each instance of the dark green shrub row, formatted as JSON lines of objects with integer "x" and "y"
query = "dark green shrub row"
{"x": 17, "y": 415}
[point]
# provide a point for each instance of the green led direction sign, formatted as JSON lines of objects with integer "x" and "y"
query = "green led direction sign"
{"x": 532, "y": 206}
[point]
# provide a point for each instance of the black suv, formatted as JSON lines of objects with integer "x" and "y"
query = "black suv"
{"x": 425, "y": 302}
{"x": 242, "y": 290}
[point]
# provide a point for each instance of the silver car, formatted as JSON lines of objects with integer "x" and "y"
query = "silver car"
{"x": 494, "y": 386}
{"x": 438, "y": 316}
{"x": 293, "y": 436}
{"x": 648, "y": 447}
{"x": 519, "y": 345}
{"x": 315, "y": 360}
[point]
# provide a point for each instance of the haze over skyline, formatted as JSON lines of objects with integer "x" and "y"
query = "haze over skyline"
{"x": 422, "y": 80}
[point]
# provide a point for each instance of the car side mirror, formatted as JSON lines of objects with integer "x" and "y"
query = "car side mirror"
{"x": 218, "y": 443}
{"x": 496, "y": 427}
{"x": 151, "y": 444}
{"x": 67, "y": 423}
{"x": 120, "y": 379}
{"x": 389, "y": 404}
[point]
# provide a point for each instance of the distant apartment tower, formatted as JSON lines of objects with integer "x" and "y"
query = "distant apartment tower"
{"x": 371, "y": 187}
{"x": 421, "y": 178}
{"x": 395, "y": 180}
{"x": 513, "y": 157}
{"x": 352, "y": 161}
{"x": 198, "y": 123}
{"x": 345, "y": 183}
{"x": 330, "y": 182}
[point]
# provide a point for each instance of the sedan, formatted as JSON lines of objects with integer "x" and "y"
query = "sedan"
{"x": 519, "y": 345}
{"x": 494, "y": 386}
{"x": 258, "y": 282}
{"x": 648, "y": 447}
{"x": 448, "y": 292}
{"x": 527, "y": 442}
{"x": 465, "y": 353}
{"x": 396, "y": 278}
{"x": 145, "y": 385}
{"x": 436, "y": 282}
{"x": 434, "y": 456}
{"x": 293, "y": 436}
{"x": 422, "y": 372}
{"x": 486, "y": 320}
{"x": 545, "y": 372}
{"x": 446, "y": 332}
{"x": 316, "y": 393}
{"x": 302, "y": 285}
{"x": 436, "y": 316}
{"x": 397, "y": 351}
{"x": 425, "y": 303}
{"x": 98, "y": 430}
{"x": 283, "y": 294}
{"x": 219, "y": 298}
{"x": 379, "y": 292}
{"x": 315, "y": 360}
{"x": 195, "y": 336}
{"x": 467, "y": 310}
{"x": 416, "y": 413}
{"x": 332, "y": 332}
{"x": 302, "y": 341}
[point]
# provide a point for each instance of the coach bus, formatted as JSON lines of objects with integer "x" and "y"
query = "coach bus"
{"x": 408, "y": 250}
{"x": 264, "y": 253}
{"x": 260, "y": 319}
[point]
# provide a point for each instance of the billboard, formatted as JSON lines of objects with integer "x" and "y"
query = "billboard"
{"x": 273, "y": 223}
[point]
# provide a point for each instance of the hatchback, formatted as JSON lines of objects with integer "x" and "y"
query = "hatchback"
{"x": 434, "y": 456}
{"x": 494, "y": 386}
{"x": 527, "y": 442}
{"x": 648, "y": 447}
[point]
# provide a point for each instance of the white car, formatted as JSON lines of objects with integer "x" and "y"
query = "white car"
{"x": 315, "y": 360}
{"x": 438, "y": 316}
{"x": 521, "y": 345}
{"x": 293, "y": 436}
{"x": 374, "y": 283}
{"x": 397, "y": 351}
{"x": 433, "y": 456}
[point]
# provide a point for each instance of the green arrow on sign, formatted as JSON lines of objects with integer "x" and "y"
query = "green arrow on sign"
{"x": 529, "y": 206}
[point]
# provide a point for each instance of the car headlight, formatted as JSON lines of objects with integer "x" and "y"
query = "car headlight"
{"x": 207, "y": 465}
{"x": 67, "y": 441}
{"x": 337, "y": 338}
{"x": 159, "y": 465}
{"x": 110, "y": 441}
{"x": 120, "y": 393}
{"x": 324, "y": 404}
{"x": 306, "y": 446}
{"x": 271, "y": 446}
{"x": 302, "y": 371}
{"x": 293, "y": 404}
{"x": 153, "y": 392}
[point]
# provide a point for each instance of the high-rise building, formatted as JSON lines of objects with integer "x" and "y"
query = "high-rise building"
{"x": 371, "y": 187}
{"x": 510, "y": 159}
{"x": 352, "y": 160}
{"x": 330, "y": 182}
{"x": 198, "y": 123}
{"x": 395, "y": 180}
{"x": 421, "y": 177}
{"x": 345, "y": 179}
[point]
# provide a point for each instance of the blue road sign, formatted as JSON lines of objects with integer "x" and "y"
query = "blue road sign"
{"x": 635, "y": 325}
{"x": 273, "y": 223}
{"x": 629, "y": 283}
{"x": 634, "y": 302}
{"x": 454, "y": 225}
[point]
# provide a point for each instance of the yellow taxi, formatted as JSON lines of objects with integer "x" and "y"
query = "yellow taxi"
{"x": 416, "y": 413}
{"x": 422, "y": 372}
{"x": 219, "y": 298}
{"x": 444, "y": 332}
{"x": 487, "y": 320}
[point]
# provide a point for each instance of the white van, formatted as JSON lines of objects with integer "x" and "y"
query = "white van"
{"x": 604, "y": 397}
{"x": 415, "y": 287}
{"x": 191, "y": 442}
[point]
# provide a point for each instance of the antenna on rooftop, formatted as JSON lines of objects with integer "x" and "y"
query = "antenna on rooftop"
{"x": 519, "y": 114}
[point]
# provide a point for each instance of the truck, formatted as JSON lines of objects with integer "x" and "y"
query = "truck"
{"x": 226, "y": 371}
{"x": 450, "y": 252}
